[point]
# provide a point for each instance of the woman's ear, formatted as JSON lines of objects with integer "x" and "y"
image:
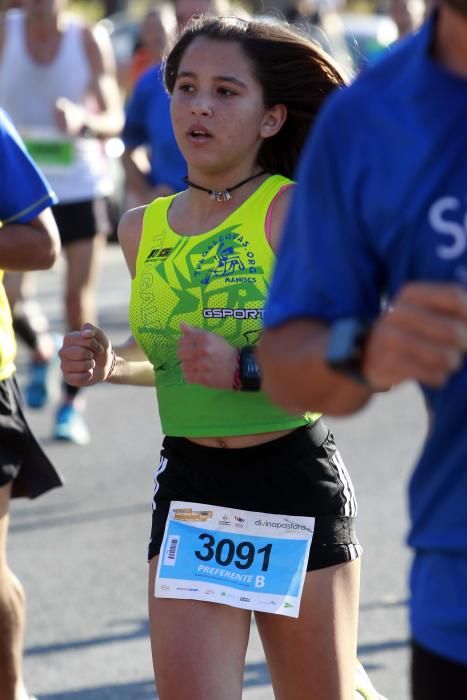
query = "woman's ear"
{"x": 273, "y": 121}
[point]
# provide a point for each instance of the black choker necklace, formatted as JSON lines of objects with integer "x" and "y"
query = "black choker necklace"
{"x": 223, "y": 195}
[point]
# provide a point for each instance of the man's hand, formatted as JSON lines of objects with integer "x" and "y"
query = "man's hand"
{"x": 206, "y": 358}
{"x": 422, "y": 337}
{"x": 86, "y": 356}
{"x": 69, "y": 117}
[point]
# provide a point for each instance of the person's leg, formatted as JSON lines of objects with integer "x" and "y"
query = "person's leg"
{"x": 82, "y": 260}
{"x": 198, "y": 648}
{"x": 12, "y": 613}
{"x": 313, "y": 656}
{"x": 30, "y": 324}
{"x": 82, "y": 264}
{"x": 434, "y": 677}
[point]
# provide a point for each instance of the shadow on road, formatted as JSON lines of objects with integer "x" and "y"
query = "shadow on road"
{"x": 143, "y": 690}
{"x": 255, "y": 675}
{"x": 140, "y": 630}
{"x": 68, "y": 520}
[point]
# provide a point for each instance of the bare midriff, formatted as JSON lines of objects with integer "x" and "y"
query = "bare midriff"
{"x": 233, "y": 442}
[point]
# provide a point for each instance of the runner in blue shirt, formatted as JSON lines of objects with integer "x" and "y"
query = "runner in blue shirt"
{"x": 380, "y": 211}
{"x": 28, "y": 240}
{"x": 147, "y": 123}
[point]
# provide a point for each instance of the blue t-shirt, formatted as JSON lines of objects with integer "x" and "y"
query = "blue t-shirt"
{"x": 23, "y": 195}
{"x": 24, "y": 192}
{"x": 382, "y": 200}
{"x": 148, "y": 123}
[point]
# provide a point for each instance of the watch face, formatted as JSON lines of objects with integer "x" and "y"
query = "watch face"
{"x": 343, "y": 342}
{"x": 345, "y": 347}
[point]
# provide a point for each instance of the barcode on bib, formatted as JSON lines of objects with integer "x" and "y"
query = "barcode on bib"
{"x": 171, "y": 550}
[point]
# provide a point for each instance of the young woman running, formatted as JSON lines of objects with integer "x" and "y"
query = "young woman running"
{"x": 243, "y": 97}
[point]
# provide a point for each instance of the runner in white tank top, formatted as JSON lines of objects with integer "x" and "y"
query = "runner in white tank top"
{"x": 67, "y": 104}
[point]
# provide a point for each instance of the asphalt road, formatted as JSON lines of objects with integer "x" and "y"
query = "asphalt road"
{"x": 80, "y": 551}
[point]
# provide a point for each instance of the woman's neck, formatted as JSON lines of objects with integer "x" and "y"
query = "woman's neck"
{"x": 450, "y": 41}
{"x": 194, "y": 212}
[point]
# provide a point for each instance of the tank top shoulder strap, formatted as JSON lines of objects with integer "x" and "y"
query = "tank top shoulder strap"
{"x": 258, "y": 206}
{"x": 73, "y": 41}
{"x": 14, "y": 38}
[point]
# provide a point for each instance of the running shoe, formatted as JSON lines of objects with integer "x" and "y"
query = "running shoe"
{"x": 38, "y": 389}
{"x": 364, "y": 688}
{"x": 70, "y": 426}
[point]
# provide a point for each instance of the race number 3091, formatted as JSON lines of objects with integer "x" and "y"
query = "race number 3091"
{"x": 224, "y": 552}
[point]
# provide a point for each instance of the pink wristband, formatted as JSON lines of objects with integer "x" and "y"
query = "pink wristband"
{"x": 236, "y": 383}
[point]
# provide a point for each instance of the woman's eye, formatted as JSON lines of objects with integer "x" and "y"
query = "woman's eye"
{"x": 226, "y": 92}
{"x": 185, "y": 87}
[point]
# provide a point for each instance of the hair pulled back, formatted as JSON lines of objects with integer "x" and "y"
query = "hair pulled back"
{"x": 290, "y": 68}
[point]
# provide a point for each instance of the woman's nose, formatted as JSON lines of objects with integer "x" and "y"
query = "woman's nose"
{"x": 201, "y": 105}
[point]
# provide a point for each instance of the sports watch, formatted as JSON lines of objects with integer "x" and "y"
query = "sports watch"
{"x": 346, "y": 344}
{"x": 249, "y": 372}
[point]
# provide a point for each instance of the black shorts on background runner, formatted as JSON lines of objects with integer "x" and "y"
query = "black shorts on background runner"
{"x": 78, "y": 221}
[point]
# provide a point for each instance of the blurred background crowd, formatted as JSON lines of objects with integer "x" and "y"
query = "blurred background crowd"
{"x": 121, "y": 133}
{"x": 355, "y": 32}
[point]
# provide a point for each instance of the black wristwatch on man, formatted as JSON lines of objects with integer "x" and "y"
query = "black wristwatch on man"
{"x": 346, "y": 346}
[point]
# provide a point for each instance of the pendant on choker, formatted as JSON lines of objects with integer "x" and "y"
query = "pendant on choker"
{"x": 223, "y": 196}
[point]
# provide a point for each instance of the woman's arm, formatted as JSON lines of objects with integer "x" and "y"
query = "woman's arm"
{"x": 88, "y": 357}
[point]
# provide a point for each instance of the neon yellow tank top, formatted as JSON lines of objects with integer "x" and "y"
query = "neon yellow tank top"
{"x": 218, "y": 281}
{"x": 7, "y": 337}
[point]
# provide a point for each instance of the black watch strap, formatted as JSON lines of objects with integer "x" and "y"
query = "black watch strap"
{"x": 250, "y": 375}
{"x": 346, "y": 345}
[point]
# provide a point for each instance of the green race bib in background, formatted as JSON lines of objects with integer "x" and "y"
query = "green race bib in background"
{"x": 51, "y": 151}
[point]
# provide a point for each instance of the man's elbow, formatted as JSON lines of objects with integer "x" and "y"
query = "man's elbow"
{"x": 48, "y": 249}
{"x": 299, "y": 382}
{"x": 277, "y": 383}
{"x": 50, "y": 255}
{"x": 283, "y": 394}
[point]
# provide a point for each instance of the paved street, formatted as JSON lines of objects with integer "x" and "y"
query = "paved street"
{"x": 80, "y": 551}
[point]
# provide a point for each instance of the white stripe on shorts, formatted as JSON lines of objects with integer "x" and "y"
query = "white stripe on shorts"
{"x": 350, "y": 507}
{"x": 157, "y": 473}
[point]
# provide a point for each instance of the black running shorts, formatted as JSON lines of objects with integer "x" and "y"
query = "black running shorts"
{"x": 22, "y": 459}
{"x": 301, "y": 473}
{"x": 79, "y": 221}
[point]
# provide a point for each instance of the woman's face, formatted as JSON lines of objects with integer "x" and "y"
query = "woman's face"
{"x": 217, "y": 108}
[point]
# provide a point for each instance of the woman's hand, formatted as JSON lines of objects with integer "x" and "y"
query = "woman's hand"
{"x": 206, "y": 358}
{"x": 86, "y": 356}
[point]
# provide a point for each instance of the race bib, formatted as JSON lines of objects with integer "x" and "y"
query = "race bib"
{"x": 50, "y": 151}
{"x": 255, "y": 561}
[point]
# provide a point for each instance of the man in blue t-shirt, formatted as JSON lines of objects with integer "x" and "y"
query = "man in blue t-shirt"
{"x": 148, "y": 123}
{"x": 29, "y": 240}
{"x": 380, "y": 212}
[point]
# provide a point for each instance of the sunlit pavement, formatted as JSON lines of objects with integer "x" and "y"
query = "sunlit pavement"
{"x": 80, "y": 551}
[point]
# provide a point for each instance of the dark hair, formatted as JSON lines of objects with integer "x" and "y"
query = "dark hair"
{"x": 290, "y": 68}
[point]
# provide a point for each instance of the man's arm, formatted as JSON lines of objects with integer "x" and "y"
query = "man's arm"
{"x": 33, "y": 245}
{"x": 108, "y": 120}
{"x": 296, "y": 376}
{"x": 29, "y": 238}
{"x": 423, "y": 337}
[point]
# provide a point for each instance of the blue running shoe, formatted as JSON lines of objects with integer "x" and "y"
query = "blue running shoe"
{"x": 38, "y": 390}
{"x": 70, "y": 426}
